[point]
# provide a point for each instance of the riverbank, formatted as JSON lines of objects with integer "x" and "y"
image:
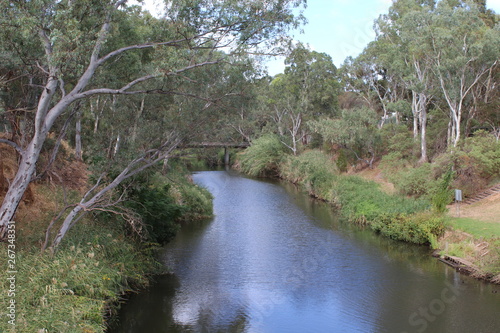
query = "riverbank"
{"x": 472, "y": 239}
{"x": 81, "y": 286}
{"x": 378, "y": 207}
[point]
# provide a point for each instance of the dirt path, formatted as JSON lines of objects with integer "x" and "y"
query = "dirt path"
{"x": 487, "y": 210}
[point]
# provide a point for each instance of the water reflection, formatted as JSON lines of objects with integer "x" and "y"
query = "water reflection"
{"x": 274, "y": 260}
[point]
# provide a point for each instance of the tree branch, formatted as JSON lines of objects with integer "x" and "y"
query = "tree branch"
{"x": 13, "y": 145}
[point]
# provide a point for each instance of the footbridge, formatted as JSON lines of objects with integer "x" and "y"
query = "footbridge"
{"x": 224, "y": 145}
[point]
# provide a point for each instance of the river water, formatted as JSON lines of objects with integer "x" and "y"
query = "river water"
{"x": 274, "y": 260}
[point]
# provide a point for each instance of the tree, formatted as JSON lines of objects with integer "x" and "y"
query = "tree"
{"x": 464, "y": 50}
{"x": 403, "y": 48}
{"x": 308, "y": 89}
{"x": 68, "y": 45}
{"x": 356, "y": 130}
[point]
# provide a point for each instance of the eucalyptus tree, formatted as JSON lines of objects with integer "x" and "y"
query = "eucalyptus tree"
{"x": 308, "y": 89}
{"x": 463, "y": 50}
{"x": 403, "y": 49}
{"x": 69, "y": 48}
{"x": 354, "y": 130}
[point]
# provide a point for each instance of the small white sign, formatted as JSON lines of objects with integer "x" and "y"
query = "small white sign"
{"x": 458, "y": 195}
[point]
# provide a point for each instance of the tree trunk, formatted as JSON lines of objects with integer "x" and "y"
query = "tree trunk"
{"x": 20, "y": 183}
{"x": 423, "y": 136}
{"x": 78, "y": 137}
{"x": 422, "y": 116}
{"x": 414, "y": 109}
{"x": 136, "y": 122}
{"x": 132, "y": 169}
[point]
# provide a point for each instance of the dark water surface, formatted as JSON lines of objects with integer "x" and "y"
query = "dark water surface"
{"x": 273, "y": 260}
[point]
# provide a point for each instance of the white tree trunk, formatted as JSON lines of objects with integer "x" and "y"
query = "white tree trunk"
{"x": 148, "y": 159}
{"x": 78, "y": 136}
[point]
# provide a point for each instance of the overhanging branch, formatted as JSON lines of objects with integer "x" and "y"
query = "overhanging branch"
{"x": 13, "y": 145}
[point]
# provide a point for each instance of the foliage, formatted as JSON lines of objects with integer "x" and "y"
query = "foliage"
{"x": 342, "y": 161}
{"x": 73, "y": 290}
{"x": 312, "y": 169}
{"x": 397, "y": 139}
{"x": 415, "y": 181}
{"x": 484, "y": 151}
{"x": 356, "y": 131}
{"x": 158, "y": 211}
{"x": 363, "y": 201}
{"x": 476, "y": 161}
{"x": 442, "y": 195}
{"x": 263, "y": 156}
{"x": 165, "y": 201}
{"x": 421, "y": 228}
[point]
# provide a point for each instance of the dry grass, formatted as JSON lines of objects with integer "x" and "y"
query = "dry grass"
{"x": 376, "y": 175}
{"x": 486, "y": 210}
{"x": 481, "y": 253}
{"x": 45, "y": 197}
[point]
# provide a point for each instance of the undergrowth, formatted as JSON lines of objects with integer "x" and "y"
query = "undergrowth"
{"x": 74, "y": 290}
{"x": 363, "y": 202}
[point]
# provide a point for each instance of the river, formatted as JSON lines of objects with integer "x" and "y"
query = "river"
{"x": 273, "y": 260}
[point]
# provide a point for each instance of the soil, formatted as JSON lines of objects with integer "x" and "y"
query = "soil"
{"x": 377, "y": 176}
{"x": 486, "y": 210}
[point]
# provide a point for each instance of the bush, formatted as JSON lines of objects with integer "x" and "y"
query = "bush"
{"x": 484, "y": 150}
{"x": 421, "y": 228}
{"x": 441, "y": 196}
{"x": 415, "y": 181}
{"x": 158, "y": 211}
{"x": 73, "y": 290}
{"x": 342, "y": 161}
{"x": 163, "y": 202}
{"x": 314, "y": 170}
{"x": 262, "y": 157}
{"x": 476, "y": 161}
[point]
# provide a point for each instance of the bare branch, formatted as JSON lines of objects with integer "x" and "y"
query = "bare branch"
{"x": 125, "y": 89}
{"x": 13, "y": 145}
{"x": 51, "y": 224}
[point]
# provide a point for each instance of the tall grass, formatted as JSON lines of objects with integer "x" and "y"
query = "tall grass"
{"x": 362, "y": 201}
{"x": 78, "y": 288}
{"x": 73, "y": 290}
{"x": 312, "y": 169}
{"x": 263, "y": 157}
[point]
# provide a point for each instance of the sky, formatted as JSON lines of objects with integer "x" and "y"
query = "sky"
{"x": 340, "y": 28}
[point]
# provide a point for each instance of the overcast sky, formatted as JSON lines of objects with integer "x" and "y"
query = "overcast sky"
{"x": 340, "y": 28}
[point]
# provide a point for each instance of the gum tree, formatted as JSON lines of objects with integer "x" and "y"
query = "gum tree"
{"x": 69, "y": 46}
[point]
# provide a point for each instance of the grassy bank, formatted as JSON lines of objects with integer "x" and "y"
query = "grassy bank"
{"x": 73, "y": 290}
{"x": 360, "y": 201}
{"x": 78, "y": 288}
{"x": 363, "y": 202}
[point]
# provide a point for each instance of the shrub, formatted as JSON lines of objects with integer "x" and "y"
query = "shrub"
{"x": 163, "y": 202}
{"x": 263, "y": 156}
{"x": 421, "y": 228}
{"x": 441, "y": 196}
{"x": 158, "y": 210}
{"x": 314, "y": 170}
{"x": 476, "y": 161}
{"x": 484, "y": 151}
{"x": 415, "y": 181}
{"x": 342, "y": 161}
